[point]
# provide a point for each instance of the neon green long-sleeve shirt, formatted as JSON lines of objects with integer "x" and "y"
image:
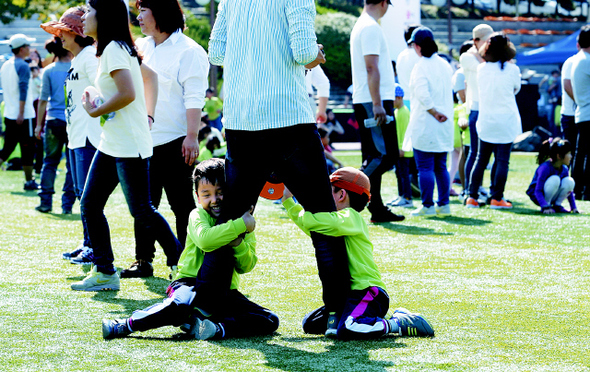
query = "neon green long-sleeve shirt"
{"x": 204, "y": 236}
{"x": 349, "y": 224}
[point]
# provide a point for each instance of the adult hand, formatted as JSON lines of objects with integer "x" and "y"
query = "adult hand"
{"x": 237, "y": 241}
{"x": 380, "y": 114}
{"x": 90, "y": 109}
{"x": 321, "y": 117}
{"x": 321, "y": 58}
{"x": 287, "y": 193}
{"x": 249, "y": 220}
{"x": 38, "y": 130}
{"x": 190, "y": 150}
{"x": 463, "y": 123}
{"x": 20, "y": 118}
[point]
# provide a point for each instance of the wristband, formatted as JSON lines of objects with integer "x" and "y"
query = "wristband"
{"x": 151, "y": 117}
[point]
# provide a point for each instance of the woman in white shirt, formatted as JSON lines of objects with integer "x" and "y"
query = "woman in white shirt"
{"x": 430, "y": 130}
{"x": 125, "y": 145}
{"x": 498, "y": 122}
{"x": 83, "y": 130}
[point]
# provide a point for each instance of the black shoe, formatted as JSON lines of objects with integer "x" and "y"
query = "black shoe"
{"x": 385, "y": 215}
{"x": 43, "y": 209}
{"x": 138, "y": 269}
{"x": 31, "y": 186}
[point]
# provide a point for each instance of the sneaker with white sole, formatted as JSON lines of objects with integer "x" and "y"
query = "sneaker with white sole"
{"x": 402, "y": 202}
{"x": 74, "y": 253}
{"x": 116, "y": 328}
{"x": 443, "y": 211}
{"x": 410, "y": 324}
{"x": 424, "y": 212}
{"x": 332, "y": 330}
{"x": 500, "y": 204}
{"x": 471, "y": 203}
{"x": 86, "y": 257}
{"x": 203, "y": 329}
{"x": 97, "y": 281}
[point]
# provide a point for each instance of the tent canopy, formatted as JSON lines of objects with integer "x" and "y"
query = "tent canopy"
{"x": 554, "y": 53}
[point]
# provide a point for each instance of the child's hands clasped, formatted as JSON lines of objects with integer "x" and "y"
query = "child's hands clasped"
{"x": 249, "y": 220}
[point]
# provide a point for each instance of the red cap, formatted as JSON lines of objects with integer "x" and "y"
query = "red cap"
{"x": 351, "y": 179}
{"x": 272, "y": 191}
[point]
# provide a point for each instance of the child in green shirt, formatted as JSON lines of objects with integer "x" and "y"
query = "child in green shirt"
{"x": 368, "y": 302}
{"x": 234, "y": 315}
{"x": 402, "y": 168}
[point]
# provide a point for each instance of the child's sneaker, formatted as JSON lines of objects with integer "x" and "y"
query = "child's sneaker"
{"x": 84, "y": 258}
{"x": 560, "y": 209}
{"x": 411, "y": 324}
{"x": 116, "y": 328}
{"x": 424, "y": 212}
{"x": 471, "y": 203}
{"x": 69, "y": 255}
{"x": 138, "y": 269}
{"x": 443, "y": 211}
{"x": 97, "y": 281}
{"x": 500, "y": 204}
{"x": 332, "y": 330}
{"x": 202, "y": 329}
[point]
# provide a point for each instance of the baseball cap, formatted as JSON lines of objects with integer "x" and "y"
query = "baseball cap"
{"x": 273, "y": 189}
{"x": 482, "y": 31}
{"x": 70, "y": 21}
{"x": 18, "y": 40}
{"x": 420, "y": 34}
{"x": 399, "y": 91}
{"x": 351, "y": 179}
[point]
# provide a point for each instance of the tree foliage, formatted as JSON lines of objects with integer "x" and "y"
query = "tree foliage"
{"x": 333, "y": 32}
{"x": 12, "y": 9}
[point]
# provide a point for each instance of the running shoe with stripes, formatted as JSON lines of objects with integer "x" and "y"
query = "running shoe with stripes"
{"x": 115, "y": 328}
{"x": 410, "y": 324}
{"x": 84, "y": 258}
{"x": 69, "y": 255}
{"x": 332, "y": 330}
{"x": 97, "y": 281}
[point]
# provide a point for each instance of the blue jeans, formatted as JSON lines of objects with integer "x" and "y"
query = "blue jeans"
{"x": 80, "y": 160}
{"x": 473, "y": 138}
{"x": 106, "y": 172}
{"x": 402, "y": 173}
{"x": 499, "y": 171}
{"x": 55, "y": 140}
{"x": 433, "y": 166}
{"x": 295, "y": 154}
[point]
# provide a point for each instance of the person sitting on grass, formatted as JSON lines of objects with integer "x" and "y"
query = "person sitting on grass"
{"x": 234, "y": 315}
{"x": 552, "y": 184}
{"x": 368, "y": 302}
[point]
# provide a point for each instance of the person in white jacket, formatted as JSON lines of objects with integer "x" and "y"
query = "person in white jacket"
{"x": 430, "y": 129}
{"x": 498, "y": 122}
{"x": 316, "y": 78}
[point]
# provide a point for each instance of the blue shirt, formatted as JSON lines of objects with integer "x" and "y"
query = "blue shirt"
{"x": 53, "y": 91}
{"x": 263, "y": 47}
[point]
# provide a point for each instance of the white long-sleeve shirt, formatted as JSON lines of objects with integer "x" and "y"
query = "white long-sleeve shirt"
{"x": 498, "y": 120}
{"x": 469, "y": 63}
{"x": 183, "y": 69}
{"x": 406, "y": 61}
{"x": 263, "y": 47}
{"x": 430, "y": 84}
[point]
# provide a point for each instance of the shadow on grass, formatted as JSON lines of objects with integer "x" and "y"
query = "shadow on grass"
{"x": 339, "y": 355}
{"x": 128, "y": 305}
{"x": 465, "y": 221}
{"x": 411, "y": 230}
{"x": 25, "y": 193}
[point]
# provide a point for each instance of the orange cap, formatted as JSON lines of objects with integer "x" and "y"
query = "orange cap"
{"x": 272, "y": 191}
{"x": 351, "y": 179}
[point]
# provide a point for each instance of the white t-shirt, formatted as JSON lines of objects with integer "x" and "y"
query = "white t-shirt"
{"x": 568, "y": 106}
{"x": 183, "y": 69}
{"x": 127, "y": 134}
{"x": 367, "y": 38}
{"x": 469, "y": 63}
{"x": 81, "y": 125}
{"x": 430, "y": 84}
{"x": 10, "y": 80}
{"x": 499, "y": 119}
{"x": 316, "y": 78}
{"x": 406, "y": 61}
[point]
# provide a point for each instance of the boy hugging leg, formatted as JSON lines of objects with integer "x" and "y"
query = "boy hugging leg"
{"x": 234, "y": 315}
{"x": 366, "y": 307}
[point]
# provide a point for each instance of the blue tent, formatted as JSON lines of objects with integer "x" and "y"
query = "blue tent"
{"x": 554, "y": 53}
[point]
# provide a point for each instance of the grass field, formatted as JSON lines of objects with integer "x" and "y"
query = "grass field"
{"x": 504, "y": 290}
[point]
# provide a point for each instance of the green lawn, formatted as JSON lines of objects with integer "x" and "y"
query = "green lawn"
{"x": 504, "y": 290}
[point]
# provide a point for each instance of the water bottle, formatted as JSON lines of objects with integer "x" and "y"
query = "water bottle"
{"x": 371, "y": 122}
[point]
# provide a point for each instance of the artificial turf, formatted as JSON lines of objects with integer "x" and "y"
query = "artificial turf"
{"x": 504, "y": 291}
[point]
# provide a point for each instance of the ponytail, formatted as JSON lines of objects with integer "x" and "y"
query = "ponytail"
{"x": 553, "y": 147}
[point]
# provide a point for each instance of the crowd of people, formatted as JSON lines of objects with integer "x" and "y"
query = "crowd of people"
{"x": 140, "y": 114}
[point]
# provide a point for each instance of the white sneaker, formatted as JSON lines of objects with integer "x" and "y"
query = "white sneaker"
{"x": 97, "y": 281}
{"x": 444, "y": 210}
{"x": 402, "y": 202}
{"x": 424, "y": 212}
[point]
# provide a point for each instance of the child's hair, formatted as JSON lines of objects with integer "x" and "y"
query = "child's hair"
{"x": 204, "y": 133}
{"x": 553, "y": 147}
{"x": 112, "y": 18}
{"x": 356, "y": 183}
{"x": 465, "y": 46}
{"x": 212, "y": 170}
{"x": 499, "y": 49}
{"x": 213, "y": 143}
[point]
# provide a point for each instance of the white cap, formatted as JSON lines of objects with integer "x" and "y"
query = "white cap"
{"x": 18, "y": 40}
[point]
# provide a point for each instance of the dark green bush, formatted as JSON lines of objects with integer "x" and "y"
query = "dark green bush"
{"x": 198, "y": 29}
{"x": 333, "y": 32}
